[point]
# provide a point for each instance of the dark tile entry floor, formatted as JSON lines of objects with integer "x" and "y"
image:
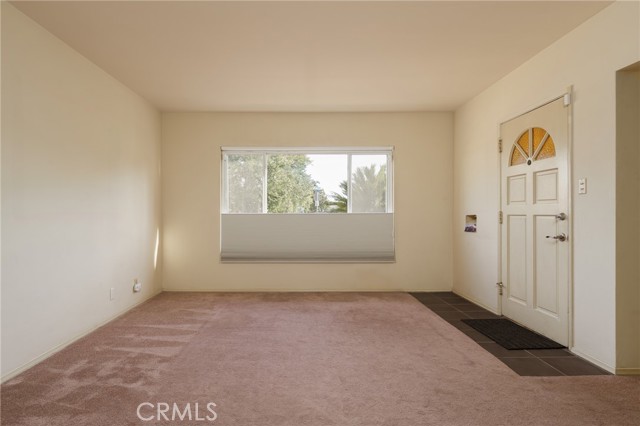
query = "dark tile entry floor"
{"x": 531, "y": 362}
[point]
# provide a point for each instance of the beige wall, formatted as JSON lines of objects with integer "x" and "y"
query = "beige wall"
{"x": 1, "y": 8}
{"x": 80, "y": 192}
{"x": 191, "y": 199}
{"x": 628, "y": 220}
{"x": 588, "y": 59}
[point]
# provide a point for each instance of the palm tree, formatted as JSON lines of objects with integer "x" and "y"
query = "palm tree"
{"x": 340, "y": 201}
{"x": 368, "y": 189}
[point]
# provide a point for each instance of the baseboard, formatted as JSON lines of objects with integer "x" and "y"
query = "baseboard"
{"x": 474, "y": 301}
{"x": 61, "y": 346}
{"x": 628, "y": 371}
{"x": 290, "y": 290}
{"x": 593, "y": 360}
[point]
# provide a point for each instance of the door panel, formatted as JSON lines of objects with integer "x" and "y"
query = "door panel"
{"x": 517, "y": 230}
{"x": 535, "y": 254}
{"x": 546, "y": 272}
{"x": 517, "y": 189}
{"x": 546, "y": 186}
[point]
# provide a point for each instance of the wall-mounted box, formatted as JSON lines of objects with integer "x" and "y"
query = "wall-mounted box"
{"x": 471, "y": 223}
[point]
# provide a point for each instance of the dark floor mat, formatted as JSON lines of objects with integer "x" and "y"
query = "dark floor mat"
{"x": 510, "y": 335}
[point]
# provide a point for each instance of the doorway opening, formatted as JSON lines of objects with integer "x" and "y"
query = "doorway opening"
{"x": 627, "y": 224}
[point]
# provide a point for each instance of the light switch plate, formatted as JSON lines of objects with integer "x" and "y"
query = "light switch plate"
{"x": 582, "y": 186}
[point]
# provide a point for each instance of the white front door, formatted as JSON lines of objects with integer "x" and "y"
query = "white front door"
{"x": 535, "y": 225}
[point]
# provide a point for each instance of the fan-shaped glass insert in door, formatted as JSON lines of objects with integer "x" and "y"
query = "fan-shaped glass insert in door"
{"x": 533, "y": 145}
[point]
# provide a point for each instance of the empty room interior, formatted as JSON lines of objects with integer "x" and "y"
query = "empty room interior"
{"x": 320, "y": 213}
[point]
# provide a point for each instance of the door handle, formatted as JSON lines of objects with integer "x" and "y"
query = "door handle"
{"x": 561, "y": 216}
{"x": 559, "y": 237}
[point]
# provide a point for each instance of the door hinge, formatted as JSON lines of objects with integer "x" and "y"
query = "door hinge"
{"x": 500, "y": 145}
{"x": 500, "y": 287}
{"x": 500, "y": 217}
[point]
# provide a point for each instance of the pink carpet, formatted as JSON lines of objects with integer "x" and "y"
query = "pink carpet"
{"x": 273, "y": 359}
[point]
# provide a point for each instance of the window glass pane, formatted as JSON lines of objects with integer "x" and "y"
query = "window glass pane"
{"x": 290, "y": 188}
{"x": 368, "y": 183}
{"x": 245, "y": 176}
{"x": 329, "y": 171}
{"x": 293, "y": 182}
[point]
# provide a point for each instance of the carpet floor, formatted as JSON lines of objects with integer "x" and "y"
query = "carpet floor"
{"x": 280, "y": 359}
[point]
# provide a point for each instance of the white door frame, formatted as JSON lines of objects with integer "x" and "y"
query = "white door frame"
{"x": 568, "y": 96}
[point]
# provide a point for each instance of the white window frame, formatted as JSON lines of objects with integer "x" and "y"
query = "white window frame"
{"x": 308, "y": 237}
{"x": 349, "y": 151}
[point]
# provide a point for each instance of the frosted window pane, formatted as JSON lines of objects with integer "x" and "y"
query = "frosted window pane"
{"x": 536, "y": 143}
{"x": 538, "y": 137}
{"x": 245, "y": 179}
{"x": 368, "y": 183}
{"x": 548, "y": 150}
{"x": 517, "y": 158}
{"x": 524, "y": 143}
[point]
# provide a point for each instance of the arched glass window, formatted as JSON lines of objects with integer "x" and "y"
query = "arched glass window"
{"x": 533, "y": 145}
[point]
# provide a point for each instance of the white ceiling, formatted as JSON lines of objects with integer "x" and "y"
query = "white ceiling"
{"x": 309, "y": 56}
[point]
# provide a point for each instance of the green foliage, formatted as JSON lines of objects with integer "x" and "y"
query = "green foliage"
{"x": 340, "y": 201}
{"x": 368, "y": 188}
{"x": 289, "y": 186}
{"x": 290, "y": 189}
{"x": 244, "y": 178}
{"x": 323, "y": 202}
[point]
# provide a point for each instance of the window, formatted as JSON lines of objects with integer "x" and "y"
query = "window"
{"x": 307, "y": 204}
{"x": 533, "y": 145}
{"x": 313, "y": 181}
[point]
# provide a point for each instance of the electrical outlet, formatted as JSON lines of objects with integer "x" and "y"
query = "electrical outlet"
{"x": 137, "y": 286}
{"x": 112, "y": 293}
